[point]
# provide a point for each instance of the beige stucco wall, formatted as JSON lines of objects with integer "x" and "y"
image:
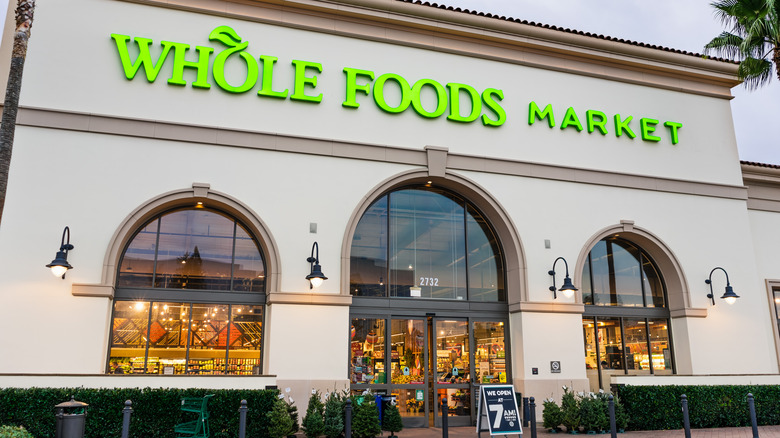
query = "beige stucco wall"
{"x": 94, "y": 83}
{"x": 63, "y": 174}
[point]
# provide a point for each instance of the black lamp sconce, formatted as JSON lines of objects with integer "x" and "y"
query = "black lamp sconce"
{"x": 316, "y": 277}
{"x": 729, "y": 295}
{"x": 59, "y": 266}
{"x": 568, "y": 288}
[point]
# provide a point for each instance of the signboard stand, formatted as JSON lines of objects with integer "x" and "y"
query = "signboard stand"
{"x": 498, "y": 409}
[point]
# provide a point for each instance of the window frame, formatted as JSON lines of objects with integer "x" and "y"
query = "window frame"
{"x": 191, "y": 296}
{"x": 467, "y": 207}
{"x": 592, "y": 312}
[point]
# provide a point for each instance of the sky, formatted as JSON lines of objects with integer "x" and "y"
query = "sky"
{"x": 679, "y": 24}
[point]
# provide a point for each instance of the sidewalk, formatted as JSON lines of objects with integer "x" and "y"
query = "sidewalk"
{"x": 728, "y": 432}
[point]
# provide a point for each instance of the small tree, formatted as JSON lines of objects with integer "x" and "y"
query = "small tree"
{"x": 391, "y": 420}
{"x": 592, "y": 416}
{"x": 570, "y": 410}
{"x": 333, "y": 416}
{"x": 365, "y": 422}
{"x": 280, "y": 423}
{"x": 552, "y": 416}
{"x": 313, "y": 421}
{"x": 292, "y": 411}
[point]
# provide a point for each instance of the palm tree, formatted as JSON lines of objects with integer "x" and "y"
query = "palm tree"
{"x": 754, "y": 38}
{"x": 24, "y": 19}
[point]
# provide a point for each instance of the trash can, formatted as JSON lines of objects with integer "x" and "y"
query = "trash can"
{"x": 71, "y": 417}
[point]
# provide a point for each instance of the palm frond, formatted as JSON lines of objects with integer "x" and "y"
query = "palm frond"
{"x": 726, "y": 44}
{"x": 755, "y": 72}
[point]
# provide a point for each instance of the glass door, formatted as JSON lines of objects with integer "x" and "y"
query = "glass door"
{"x": 408, "y": 369}
{"x": 451, "y": 366}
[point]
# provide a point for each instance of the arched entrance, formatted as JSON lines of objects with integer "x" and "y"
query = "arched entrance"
{"x": 429, "y": 317}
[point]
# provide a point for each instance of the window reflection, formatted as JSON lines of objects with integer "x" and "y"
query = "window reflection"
{"x": 617, "y": 273}
{"x": 194, "y": 248}
{"x": 425, "y": 243}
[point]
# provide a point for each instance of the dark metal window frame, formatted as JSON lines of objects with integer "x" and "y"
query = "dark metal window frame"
{"x": 190, "y": 296}
{"x": 466, "y": 205}
{"x": 594, "y": 312}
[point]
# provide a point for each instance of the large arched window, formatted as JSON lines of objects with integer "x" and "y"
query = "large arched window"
{"x": 189, "y": 297}
{"x": 423, "y": 242}
{"x": 626, "y": 319}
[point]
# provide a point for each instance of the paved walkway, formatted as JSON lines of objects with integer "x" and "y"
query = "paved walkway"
{"x": 728, "y": 432}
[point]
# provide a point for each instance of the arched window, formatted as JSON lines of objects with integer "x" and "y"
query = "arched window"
{"x": 626, "y": 319}
{"x": 189, "y": 297}
{"x": 423, "y": 242}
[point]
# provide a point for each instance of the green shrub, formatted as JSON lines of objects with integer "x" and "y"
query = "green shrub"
{"x": 155, "y": 411}
{"x": 391, "y": 419}
{"x": 334, "y": 415}
{"x": 280, "y": 423}
{"x": 14, "y": 432}
{"x": 570, "y": 410}
{"x": 659, "y": 407}
{"x": 592, "y": 415}
{"x": 365, "y": 422}
{"x": 313, "y": 421}
{"x": 552, "y": 417}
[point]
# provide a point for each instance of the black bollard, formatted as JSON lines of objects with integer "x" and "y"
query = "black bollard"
{"x": 532, "y": 409}
{"x": 612, "y": 423}
{"x": 752, "y": 408}
{"x": 348, "y": 419}
{"x": 126, "y": 412}
{"x": 686, "y": 419}
{"x": 444, "y": 420}
{"x": 242, "y": 419}
{"x": 526, "y": 412}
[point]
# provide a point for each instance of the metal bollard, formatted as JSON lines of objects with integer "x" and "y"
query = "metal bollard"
{"x": 752, "y": 408}
{"x": 686, "y": 419}
{"x": 526, "y": 412}
{"x": 348, "y": 419}
{"x": 532, "y": 407}
{"x": 242, "y": 409}
{"x": 444, "y": 420}
{"x": 126, "y": 412}
{"x": 612, "y": 423}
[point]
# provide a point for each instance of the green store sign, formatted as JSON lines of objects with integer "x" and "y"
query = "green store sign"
{"x": 461, "y": 103}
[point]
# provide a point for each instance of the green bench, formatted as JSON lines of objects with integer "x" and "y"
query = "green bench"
{"x": 198, "y": 428}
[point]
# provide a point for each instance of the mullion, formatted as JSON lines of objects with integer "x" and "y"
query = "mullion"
{"x": 649, "y": 344}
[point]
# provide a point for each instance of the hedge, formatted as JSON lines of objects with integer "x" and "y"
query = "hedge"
{"x": 155, "y": 411}
{"x": 659, "y": 407}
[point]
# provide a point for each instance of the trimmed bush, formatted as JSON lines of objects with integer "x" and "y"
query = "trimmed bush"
{"x": 155, "y": 411}
{"x": 658, "y": 407}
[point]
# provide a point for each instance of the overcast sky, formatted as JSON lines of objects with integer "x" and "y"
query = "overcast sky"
{"x": 679, "y": 24}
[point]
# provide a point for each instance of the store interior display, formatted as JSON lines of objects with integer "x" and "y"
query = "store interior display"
{"x": 183, "y": 338}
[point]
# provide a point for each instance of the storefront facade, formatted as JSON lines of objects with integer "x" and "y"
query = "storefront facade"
{"x": 442, "y": 161}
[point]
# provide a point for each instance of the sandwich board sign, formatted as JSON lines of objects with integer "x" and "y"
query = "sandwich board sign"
{"x": 498, "y": 408}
